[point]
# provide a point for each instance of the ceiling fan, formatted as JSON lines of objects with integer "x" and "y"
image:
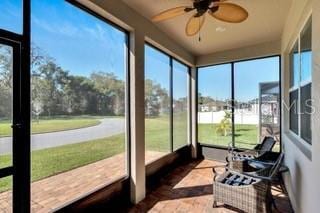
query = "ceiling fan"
{"x": 219, "y": 9}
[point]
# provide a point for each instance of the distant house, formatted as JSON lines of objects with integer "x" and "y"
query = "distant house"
{"x": 215, "y": 106}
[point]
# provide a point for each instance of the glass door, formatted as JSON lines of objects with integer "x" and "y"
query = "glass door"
{"x": 9, "y": 113}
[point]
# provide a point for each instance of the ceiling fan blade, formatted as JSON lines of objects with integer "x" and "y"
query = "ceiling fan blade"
{"x": 194, "y": 25}
{"x": 229, "y": 12}
{"x": 171, "y": 13}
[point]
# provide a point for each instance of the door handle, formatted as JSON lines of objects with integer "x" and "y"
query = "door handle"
{"x": 16, "y": 126}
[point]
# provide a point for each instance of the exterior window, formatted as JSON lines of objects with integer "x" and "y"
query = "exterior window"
{"x": 157, "y": 104}
{"x": 180, "y": 104}
{"x": 254, "y": 87}
{"x": 295, "y": 65}
{"x": 294, "y": 119}
{"x": 306, "y": 53}
{"x": 78, "y": 92}
{"x": 305, "y": 94}
{"x": 301, "y": 84}
{"x": 166, "y": 104}
{"x": 257, "y": 101}
{"x": 214, "y": 106}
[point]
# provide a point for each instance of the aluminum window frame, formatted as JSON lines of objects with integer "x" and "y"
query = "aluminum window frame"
{"x": 21, "y": 164}
{"x": 233, "y": 142}
{"x": 171, "y": 59}
{"x": 89, "y": 11}
{"x": 300, "y": 82}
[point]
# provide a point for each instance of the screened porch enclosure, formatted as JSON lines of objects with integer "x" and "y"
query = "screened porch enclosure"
{"x": 239, "y": 103}
{"x": 106, "y": 108}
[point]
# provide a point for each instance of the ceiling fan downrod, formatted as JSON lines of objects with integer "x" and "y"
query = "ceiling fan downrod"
{"x": 199, "y": 30}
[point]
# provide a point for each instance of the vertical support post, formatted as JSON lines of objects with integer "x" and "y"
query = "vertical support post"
{"x": 279, "y": 117}
{"x": 189, "y": 108}
{"x": 260, "y": 112}
{"x": 232, "y": 105}
{"x": 171, "y": 104}
{"x": 194, "y": 113}
{"x": 137, "y": 161}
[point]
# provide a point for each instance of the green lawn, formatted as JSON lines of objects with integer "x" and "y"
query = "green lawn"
{"x": 157, "y": 134}
{"x": 246, "y": 136}
{"x": 53, "y": 124}
{"x": 180, "y": 130}
{"x": 51, "y": 161}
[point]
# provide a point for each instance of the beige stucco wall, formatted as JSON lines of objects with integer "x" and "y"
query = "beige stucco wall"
{"x": 254, "y": 51}
{"x": 302, "y": 182}
{"x": 316, "y": 96}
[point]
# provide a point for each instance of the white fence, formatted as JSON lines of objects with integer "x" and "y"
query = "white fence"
{"x": 241, "y": 117}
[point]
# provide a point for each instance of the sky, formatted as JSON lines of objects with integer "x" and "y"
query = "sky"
{"x": 157, "y": 68}
{"x": 11, "y": 15}
{"x": 81, "y": 44}
{"x": 215, "y": 81}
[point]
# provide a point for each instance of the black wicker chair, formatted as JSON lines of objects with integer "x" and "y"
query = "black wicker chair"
{"x": 236, "y": 158}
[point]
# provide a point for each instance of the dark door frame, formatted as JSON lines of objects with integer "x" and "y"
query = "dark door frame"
{"x": 15, "y": 45}
{"x": 20, "y": 169}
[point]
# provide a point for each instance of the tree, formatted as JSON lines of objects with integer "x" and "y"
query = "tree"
{"x": 111, "y": 96}
{"x": 180, "y": 104}
{"x": 56, "y": 92}
{"x": 6, "y": 60}
{"x": 38, "y": 58}
{"x": 79, "y": 96}
{"x": 39, "y": 95}
{"x": 156, "y": 98}
{"x": 224, "y": 127}
{"x": 5, "y": 81}
{"x": 48, "y": 81}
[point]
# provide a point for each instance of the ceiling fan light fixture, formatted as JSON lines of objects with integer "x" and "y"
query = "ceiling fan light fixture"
{"x": 220, "y": 29}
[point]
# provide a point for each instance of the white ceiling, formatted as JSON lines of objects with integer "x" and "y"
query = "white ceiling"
{"x": 265, "y": 23}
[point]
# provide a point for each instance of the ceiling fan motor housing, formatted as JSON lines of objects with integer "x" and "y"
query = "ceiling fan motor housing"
{"x": 202, "y": 6}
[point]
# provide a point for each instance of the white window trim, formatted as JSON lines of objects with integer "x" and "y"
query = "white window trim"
{"x": 305, "y": 82}
{"x": 300, "y": 85}
{"x": 293, "y": 89}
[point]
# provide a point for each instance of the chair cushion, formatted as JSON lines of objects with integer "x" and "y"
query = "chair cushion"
{"x": 267, "y": 144}
{"x": 258, "y": 165}
{"x": 236, "y": 179}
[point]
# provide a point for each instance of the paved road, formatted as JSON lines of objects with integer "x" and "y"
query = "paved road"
{"x": 107, "y": 127}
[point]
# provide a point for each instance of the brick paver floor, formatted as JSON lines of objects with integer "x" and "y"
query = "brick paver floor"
{"x": 188, "y": 188}
{"x": 56, "y": 191}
